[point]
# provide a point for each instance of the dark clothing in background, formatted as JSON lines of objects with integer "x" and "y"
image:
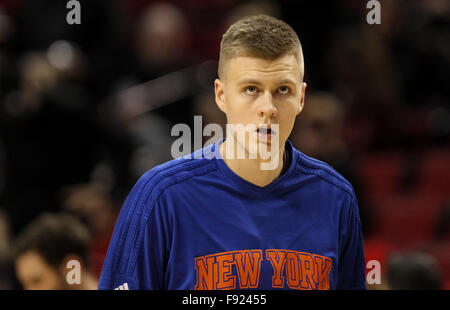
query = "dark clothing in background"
{"x": 48, "y": 149}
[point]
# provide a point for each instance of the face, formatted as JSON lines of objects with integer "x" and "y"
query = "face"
{"x": 263, "y": 93}
{"x": 35, "y": 274}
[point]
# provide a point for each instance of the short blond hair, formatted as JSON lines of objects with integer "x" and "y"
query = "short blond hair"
{"x": 259, "y": 36}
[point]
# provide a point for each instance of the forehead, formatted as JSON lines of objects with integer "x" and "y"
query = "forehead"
{"x": 247, "y": 67}
{"x": 31, "y": 261}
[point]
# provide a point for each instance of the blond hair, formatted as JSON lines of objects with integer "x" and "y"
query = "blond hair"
{"x": 259, "y": 36}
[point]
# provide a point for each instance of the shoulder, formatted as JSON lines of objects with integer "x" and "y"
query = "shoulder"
{"x": 176, "y": 171}
{"x": 141, "y": 203}
{"x": 324, "y": 173}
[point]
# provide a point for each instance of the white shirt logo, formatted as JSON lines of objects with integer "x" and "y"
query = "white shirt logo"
{"x": 122, "y": 287}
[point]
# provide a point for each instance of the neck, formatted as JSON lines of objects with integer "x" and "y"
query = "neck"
{"x": 250, "y": 169}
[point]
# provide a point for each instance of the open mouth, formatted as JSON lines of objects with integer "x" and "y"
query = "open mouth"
{"x": 265, "y": 133}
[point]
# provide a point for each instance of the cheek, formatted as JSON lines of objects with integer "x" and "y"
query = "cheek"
{"x": 288, "y": 110}
{"x": 287, "y": 116}
{"x": 238, "y": 107}
{"x": 52, "y": 280}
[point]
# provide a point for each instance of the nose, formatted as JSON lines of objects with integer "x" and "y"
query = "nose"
{"x": 266, "y": 107}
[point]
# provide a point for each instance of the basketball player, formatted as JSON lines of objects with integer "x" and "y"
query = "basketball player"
{"x": 214, "y": 221}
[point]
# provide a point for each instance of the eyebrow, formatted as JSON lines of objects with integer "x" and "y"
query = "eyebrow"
{"x": 256, "y": 82}
{"x": 288, "y": 81}
{"x": 249, "y": 81}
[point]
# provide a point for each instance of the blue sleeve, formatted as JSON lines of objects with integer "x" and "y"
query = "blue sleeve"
{"x": 351, "y": 257}
{"x": 137, "y": 250}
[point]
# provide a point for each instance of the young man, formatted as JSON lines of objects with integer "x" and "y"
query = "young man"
{"x": 221, "y": 221}
{"x": 43, "y": 250}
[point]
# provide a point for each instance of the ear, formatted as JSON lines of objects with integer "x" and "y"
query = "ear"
{"x": 302, "y": 98}
{"x": 220, "y": 95}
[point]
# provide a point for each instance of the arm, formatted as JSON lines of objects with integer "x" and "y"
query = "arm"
{"x": 351, "y": 256}
{"x": 138, "y": 247}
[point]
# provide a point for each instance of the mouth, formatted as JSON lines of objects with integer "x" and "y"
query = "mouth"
{"x": 265, "y": 133}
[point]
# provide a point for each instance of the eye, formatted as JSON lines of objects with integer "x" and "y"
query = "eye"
{"x": 284, "y": 89}
{"x": 251, "y": 90}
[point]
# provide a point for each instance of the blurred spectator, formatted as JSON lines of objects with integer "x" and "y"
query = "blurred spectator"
{"x": 363, "y": 74}
{"x": 100, "y": 36}
{"x": 421, "y": 50}
{"x": 49, "y": 138}
{"x": 166, "y": 24}
{"x": 413, "y": 271}
{"x": 94, "y": 204}
{"x": 318, "y": 132}
{"x": 43, "y": 249}
{"x": 158, "y": 90}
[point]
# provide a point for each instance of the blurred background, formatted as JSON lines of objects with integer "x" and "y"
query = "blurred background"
{"x": 86, "y": 109}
